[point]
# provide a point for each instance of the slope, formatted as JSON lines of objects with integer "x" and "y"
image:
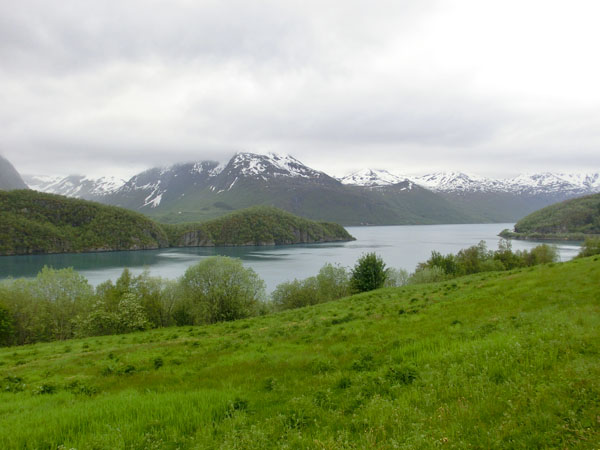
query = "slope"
{"x": 494, "y": 360}
{"x": 9, "y": 177}
{"x": 32, "y": 222}
{"x": 571, "y": 219}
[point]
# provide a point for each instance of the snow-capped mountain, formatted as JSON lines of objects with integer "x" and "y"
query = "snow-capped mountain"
{"x": 204, "y": 189}
{"x": 372, "y": 177}
{"x": 552, "y": 183}
{"x": 77, "y": 186}
{"x": 458, "y": 182}
{"x": 545, "y": 183}
{"x": 272, "y": 167}
{"x": 151, "y": 187}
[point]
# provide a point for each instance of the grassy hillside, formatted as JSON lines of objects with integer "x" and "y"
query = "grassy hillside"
{"x": 571, "y": 219}
{"x": 33, "y": 222}
{"x": 261, "y": 225}
{"x": 494, "y": 360}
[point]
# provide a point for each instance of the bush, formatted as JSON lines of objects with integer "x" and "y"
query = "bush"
{"x": 427, "y": 275}
{"x": 542, "y": 254}
{"x": 590, "y": 247}
{"x": 396, "y": 277}
{"x": 331, "y": 283}
{"x": 369, "y": 273}
{"x": 221, "y": 289}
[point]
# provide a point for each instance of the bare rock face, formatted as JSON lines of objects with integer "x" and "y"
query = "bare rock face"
{"x": 195, "y": 238}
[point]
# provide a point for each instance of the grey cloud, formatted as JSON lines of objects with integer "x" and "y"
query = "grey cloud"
{"x": 131, "y": 84}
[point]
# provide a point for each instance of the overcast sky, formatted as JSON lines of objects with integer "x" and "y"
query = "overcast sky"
{"x": 486, "y": 86}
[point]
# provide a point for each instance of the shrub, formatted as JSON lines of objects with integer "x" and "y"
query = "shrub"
{"x": 221, "y": 289}
{"x": 369, "y": 273}
{"x": 396, "y": 277}
{"x": 590, "y": 247}
{"x": 427, "y": 275}
{"x": 331, "y": 283}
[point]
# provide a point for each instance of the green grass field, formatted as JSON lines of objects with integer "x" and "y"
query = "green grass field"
{"x": 494, "y": 360}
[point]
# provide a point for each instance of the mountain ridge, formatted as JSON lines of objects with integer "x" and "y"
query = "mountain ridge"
{"x": 207, "y": 189}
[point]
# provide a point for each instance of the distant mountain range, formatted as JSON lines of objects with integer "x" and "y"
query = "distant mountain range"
{"x": 206, "y": 189}
{"x": 537, "y": 183}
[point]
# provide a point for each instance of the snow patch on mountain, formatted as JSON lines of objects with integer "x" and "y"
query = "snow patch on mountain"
{"x": 271, "y": 165}
{"x": 457, "y": 182}
{"x": 372, "y": 177}
{"x": 77, "y": 186}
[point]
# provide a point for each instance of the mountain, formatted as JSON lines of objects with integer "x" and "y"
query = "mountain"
{"x": 33, "y": 222}
{"x": 507, "y": 200}
{"x": 205, "y": 190}
{"x": 9, "y": 177}
{"x": 458, "y": 182}
{"x": 571, "y": 219}
{"x": 76, "y": 186}
{"x": 198, "y": 191}
{"x": 372, "y": 177}
{"x": 545, "y": 183}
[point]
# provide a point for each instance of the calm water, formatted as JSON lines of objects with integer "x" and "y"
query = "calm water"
{"x": 399, "y": 246}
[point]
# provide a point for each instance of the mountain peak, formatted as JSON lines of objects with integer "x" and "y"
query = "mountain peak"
{"x": 270, "y": 165}
{"x": 372, "y": 177}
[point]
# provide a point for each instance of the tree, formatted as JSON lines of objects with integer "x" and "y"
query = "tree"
{"x": 332, "y": 283}
{"x": 369, "y": 273}
{"x": 66, "y": 294}
{"x": 221, "y": 289}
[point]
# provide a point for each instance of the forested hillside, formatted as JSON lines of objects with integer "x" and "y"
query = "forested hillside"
{"x": 572, "y": 219}
{"x": 259, "y": 225}
{"x": 32, "y": 222}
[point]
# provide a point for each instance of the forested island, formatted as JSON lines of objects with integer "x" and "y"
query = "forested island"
{"x": 575, "y": 219}
{"x": 36, "y": 223}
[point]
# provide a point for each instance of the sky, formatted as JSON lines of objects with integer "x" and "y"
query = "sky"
{"x": 113, "y": 87}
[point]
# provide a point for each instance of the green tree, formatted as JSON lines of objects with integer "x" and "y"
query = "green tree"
{"x": 221, "y": 289}
{"x": 333, "y": 282}
{"x": 369, "y": 273}
{"x": 66, "y": 294}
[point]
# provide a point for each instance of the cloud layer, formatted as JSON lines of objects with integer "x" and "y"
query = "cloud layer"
{"x": 106, "y": 87}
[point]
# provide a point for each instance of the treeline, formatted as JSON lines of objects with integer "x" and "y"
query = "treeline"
{"x": 61, "y": 304}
